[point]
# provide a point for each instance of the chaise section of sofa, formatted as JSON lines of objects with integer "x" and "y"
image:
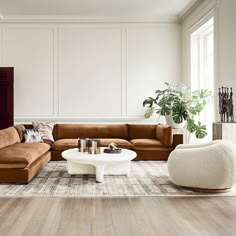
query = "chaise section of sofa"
{"x": 20, "y": 162}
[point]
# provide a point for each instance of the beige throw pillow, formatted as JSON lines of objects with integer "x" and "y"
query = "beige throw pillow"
{"x": 32, "y": 136}
{"x": 45, "y": 129}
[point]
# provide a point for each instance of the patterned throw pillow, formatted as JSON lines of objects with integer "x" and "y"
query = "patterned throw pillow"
{"x": 31, "y": 136}
{"x": 45, "y": 130}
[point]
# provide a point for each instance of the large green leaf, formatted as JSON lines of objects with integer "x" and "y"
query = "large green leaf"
{"x": 201, "y": 131}
{"x": 149, "y": 101}
{"x": 191, "y": 126}
{"x": 149, "y": 112}
{"x": 146, "y": 102}
{"x": 199, "y": 107}
{"x": 165, "y": 111}
{"x": 179, "y": 111}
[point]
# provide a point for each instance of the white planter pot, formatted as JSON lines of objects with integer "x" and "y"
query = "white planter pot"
{"x": 170, "y": 122}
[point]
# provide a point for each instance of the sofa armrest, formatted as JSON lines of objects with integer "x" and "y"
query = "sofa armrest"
{"x": 164, "y": 134}
{"x": 19, "y": 129}
{"x": 177, "y": 139}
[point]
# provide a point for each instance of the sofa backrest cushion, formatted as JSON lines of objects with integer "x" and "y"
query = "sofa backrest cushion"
{"x": 91, "y": 131}
{"x": 142, "y": 131}
{"x": 8, "y": 136}
{"x": 164, "y": 134}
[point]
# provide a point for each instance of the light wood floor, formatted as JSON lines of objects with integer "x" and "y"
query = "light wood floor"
{"x": 118, "y": 216}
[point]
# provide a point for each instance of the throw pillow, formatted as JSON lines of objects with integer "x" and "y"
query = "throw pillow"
{"x": 45, "y": 130}
{"x": 31, "y": 135}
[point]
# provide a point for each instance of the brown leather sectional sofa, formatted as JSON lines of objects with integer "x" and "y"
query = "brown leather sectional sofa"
{"x": 20, "y": 162}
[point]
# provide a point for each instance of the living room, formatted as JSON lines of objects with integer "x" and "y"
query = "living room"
{"x": 84, "y": 69}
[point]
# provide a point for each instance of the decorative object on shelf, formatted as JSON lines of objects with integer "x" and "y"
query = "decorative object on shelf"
{"x": 226, "y": 107}
{"x": 112, "y": 148}
{"x": 94, "y": 146}
{"x": 180, "y": 104}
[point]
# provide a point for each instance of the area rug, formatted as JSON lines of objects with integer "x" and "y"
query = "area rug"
{"x": 147, "y": 178}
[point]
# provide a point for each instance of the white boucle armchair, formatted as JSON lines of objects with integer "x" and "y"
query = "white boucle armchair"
{"x": 208, "y": 167}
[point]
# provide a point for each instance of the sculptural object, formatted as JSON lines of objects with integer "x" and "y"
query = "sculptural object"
{"x": 226, "y": 107}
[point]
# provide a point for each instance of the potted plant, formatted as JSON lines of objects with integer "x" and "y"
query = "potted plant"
{"x": 177, "y": 103}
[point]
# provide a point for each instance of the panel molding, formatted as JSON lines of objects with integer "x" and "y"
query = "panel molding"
{"x": 91, "y": 26}
{"x": 161, "y": 33}
{"x": 95, "y": 28}
{"x": 57, "y": 28}
{"x": 55, "y": 72}
{"x": 16, "y": 61}
{"x": 90, "y": 19}
{"x": 191, "y": 6}
{"x": 124, "y": 72}
{"x": 126, "y": 119}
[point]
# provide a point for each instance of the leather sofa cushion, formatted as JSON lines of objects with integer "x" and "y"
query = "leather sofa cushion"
{"x": 20, "y": 129}
{"x": 92, "y": 131}
{"x": 142, "y": 131}
{"x": 21, "y": 155}
{"x": 121, "y": 143}
{"x": 148, "y": 144}
{"x": 8, "y": 137}
{"x": 64, "y": 144}
{"x": 164, "y": 134}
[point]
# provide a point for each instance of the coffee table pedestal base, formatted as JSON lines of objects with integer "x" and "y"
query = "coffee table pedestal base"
{"x": 116, "y": 168}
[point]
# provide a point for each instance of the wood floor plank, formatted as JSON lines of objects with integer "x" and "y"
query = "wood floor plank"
{"x": 102, "y": 224}
{"x": 118, "y": 216}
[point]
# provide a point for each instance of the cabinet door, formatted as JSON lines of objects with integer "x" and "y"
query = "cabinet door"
{"x": 6, "y": 97}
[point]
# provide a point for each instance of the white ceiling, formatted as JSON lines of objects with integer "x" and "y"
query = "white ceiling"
{"x": 88, "y": 8}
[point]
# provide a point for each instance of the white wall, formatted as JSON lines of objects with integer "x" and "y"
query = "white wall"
{"x": 88, "y": 72}
{"x": 153, "y": 57}
{"x": 30, "y": 51}
{"x": 195, "y": 18}
{"x": 225, "y": 46}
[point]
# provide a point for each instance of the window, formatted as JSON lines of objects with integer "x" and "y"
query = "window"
{"x": 202, "y": 68}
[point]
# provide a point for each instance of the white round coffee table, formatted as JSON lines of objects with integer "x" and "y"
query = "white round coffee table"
{"x": 99, "y": 164}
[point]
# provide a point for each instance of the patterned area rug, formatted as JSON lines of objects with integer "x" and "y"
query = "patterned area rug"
{"x": 147, "y": 178}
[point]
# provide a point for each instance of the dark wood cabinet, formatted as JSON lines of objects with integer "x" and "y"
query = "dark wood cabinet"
{"x": 6, "y": 97}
